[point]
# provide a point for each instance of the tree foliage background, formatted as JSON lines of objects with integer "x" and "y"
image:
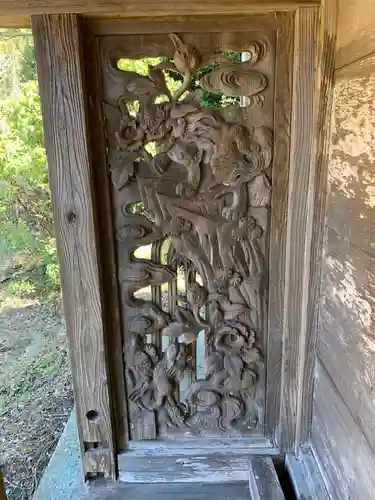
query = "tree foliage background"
{"x": 26, "y": 231}
{"x": 27, "y": 239}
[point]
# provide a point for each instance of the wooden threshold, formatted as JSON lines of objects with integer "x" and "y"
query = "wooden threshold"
{"x": 192, "y": 460}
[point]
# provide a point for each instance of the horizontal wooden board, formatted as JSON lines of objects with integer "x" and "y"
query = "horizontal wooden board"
{"x": 343, "y": 453}
{"x": 224, "y": 491}
{"x": 29, "y": 7}
{"x": 346, "y": 342}
{"x": 15, "y": 13}
{"x": 183, "y": 468}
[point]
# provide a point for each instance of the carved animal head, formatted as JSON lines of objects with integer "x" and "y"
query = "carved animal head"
{"x": 186, "y": 57}
{"x": 196, "y": 294}
{"x": 240, "y": 154}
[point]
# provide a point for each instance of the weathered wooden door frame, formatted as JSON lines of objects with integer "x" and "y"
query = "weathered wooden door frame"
{"x": 76, "y": 155}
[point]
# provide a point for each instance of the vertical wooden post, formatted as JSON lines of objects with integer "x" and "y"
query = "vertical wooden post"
{"x": 299, "y": 228}
{"x": 326, "y": 54}
{"x": 305, "y": 70}
{"x": 62, "y": 89}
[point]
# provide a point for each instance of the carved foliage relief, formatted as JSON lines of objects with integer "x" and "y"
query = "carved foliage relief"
{"x": 204, "y": 188}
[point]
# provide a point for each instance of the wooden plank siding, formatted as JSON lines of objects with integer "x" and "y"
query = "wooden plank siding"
{"x": 344, "y": 402}
{"x": 62, "y": 89}
{"x": 345, "y": 457}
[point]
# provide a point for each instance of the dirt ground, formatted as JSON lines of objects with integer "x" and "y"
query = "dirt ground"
{"x": 36, "y": 394}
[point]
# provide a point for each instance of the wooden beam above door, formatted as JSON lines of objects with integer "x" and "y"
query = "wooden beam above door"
{"x": 15, "y": 13}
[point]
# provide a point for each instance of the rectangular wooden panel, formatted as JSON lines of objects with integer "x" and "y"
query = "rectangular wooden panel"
{"x": 61, "y": 80}
{"x": 215, "y": 229}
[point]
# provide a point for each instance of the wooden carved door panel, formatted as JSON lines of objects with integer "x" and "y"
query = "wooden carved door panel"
{"x": 189, "y": 123}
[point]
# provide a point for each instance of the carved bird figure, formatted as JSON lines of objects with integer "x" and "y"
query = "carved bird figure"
{"x": 186, "y": 57}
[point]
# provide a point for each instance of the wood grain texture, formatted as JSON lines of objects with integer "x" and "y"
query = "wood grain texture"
{"x": 344, "y": 456}
{"x": 280, "y": 183}
{"x": 299, "y": 229}
{"x": 356, "y": 31}
{"x": 62, "y": 90}
{"x": 296, "y": 234}
{"x": 263, "y": 481}
{"x": 108, "y": 262}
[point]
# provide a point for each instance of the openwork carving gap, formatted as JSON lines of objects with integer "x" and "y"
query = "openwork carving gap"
{"x": 200, "y": 188}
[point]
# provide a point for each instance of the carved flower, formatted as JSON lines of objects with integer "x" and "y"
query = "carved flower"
{"x": 236, "y": 279}
{"x": 247, "y": 228}
{"x": 130, "y": 135}
{"x": 224, "y": 274}
{"x": 226, "y": 277}
{"x": 230, "y": 339}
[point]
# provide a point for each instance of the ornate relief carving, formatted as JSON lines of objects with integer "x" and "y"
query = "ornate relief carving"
{"x": 201, "y": 189}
